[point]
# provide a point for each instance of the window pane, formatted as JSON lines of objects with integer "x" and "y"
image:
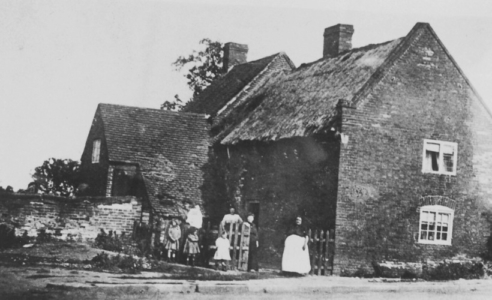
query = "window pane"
{"x": 423, "y": 226}
{"x": 444, "y": 236}
{"x": 438, "y": 236}
{"x": 432, "y": 160}
{"x": 439, "y": 217}
{"x": 423, "y": 235}
{"x": 433, "y": 147}
{"x": 96, "y": 149}
{"x": 445, "y": 227}
{"x": 431, "y": 236}
{"x": 448, "y": 149}
{"x": 432, "y": 216}
{"x": 431, "y": 226}
{"x": 445, "y": 218}
{"x": 448, "y": 162}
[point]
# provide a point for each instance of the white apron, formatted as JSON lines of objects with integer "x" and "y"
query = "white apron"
{"x": 294, "y": 258}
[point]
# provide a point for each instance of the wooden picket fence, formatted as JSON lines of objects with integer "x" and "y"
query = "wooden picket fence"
{"x": 321, "y": 248}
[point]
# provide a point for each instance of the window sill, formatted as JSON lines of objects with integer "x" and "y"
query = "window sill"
{"x": 439, "y": 173}
{"x": 435, "y": 243}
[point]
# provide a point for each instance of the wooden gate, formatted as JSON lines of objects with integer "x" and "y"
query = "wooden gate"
{"x": 238, "y": 236}
{"x": 321, "y": 250}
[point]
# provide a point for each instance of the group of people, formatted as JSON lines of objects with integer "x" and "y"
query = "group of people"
{"x": 222, "y": 254}
{"x": 295, "y": 258}
{"x": 171, "y": 240}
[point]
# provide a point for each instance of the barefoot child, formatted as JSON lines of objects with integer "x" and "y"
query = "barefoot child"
{"x": 191, "y": 248}
{"x": 222, "y": 253}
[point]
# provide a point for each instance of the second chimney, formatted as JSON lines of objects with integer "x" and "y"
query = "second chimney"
{"x": 234, "y": 54}
{"x": 337, "y": 39}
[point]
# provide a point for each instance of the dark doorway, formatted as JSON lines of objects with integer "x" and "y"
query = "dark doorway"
{"x": 254, "y": 207}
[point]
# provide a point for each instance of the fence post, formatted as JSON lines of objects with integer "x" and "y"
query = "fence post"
{"x": 240, "y": 260}
{"x": 310, "y": 245}
{"x": 327, "y": 257}
{"x": 205, "y": 257}
{"x": 320, "y": 251}
{"x": 234, "y": 249}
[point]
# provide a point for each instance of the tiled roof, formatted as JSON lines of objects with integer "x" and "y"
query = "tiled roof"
{"x": 169, "y": 147}
{"x": 214, "y": 97}
{"x": 303, "y": 101}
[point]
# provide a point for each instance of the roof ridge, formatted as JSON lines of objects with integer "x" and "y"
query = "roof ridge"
{"x": 154, "y": 109}
{"x": 257, "y": 60}
{"x": 353, "y": 50}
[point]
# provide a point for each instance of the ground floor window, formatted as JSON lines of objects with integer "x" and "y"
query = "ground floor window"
{"x": 436, "y": 225}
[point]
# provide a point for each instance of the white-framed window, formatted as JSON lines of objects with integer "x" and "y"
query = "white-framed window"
{"x": 436, "y": 225}
{"x": 439, "y": 157}
{"x": 96, "y": 151}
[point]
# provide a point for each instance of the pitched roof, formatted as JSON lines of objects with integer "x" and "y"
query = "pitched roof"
{"x": 222, "y": 90}
{"x": 169, "y": 147}
{"x": 303, "y": 101}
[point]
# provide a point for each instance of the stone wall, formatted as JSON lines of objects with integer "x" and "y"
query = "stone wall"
{"x": 422, "y": 96}
{"x": 283, "y": 179}
{"x": 81, "y": 217}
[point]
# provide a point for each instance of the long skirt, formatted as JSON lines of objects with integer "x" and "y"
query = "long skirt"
{"x": 294, "y": 258}
{"x": 252, "y": 256}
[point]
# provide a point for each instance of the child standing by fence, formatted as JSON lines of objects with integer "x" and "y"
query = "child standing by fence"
{"x": 191, "y": 247}
{"x": 222, "y": 253}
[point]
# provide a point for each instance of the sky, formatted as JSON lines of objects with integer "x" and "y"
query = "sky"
{"x": 59, "y": 59}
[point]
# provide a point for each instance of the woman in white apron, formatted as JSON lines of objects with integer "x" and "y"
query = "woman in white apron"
{"x": 296, "y": 253}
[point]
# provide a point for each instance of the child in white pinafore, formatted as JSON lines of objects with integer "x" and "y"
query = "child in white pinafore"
{"x": 222, "y": 254}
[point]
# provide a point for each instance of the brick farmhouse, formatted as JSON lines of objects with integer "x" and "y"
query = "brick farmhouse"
{"x": 389, "y": 145}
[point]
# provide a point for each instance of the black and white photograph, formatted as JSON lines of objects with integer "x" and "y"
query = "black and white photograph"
{"x": 235, "y": 149}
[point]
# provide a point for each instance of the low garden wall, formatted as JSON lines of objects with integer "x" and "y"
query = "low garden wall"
{"x": 82, "y": 218}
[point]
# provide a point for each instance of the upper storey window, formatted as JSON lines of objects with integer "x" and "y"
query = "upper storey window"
{"x": 96, "y": 151}
{"x": 439, "y": 157}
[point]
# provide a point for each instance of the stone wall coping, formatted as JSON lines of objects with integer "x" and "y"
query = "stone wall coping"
{"x": 50, "y": 198}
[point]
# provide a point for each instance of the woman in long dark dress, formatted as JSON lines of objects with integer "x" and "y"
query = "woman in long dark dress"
{"x": 296, "y": 253}
{"x": 253, "y": 245}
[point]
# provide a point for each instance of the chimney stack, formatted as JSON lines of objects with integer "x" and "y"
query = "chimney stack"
{"x": 234, "y": 54}
{"x": 337, "y": 39}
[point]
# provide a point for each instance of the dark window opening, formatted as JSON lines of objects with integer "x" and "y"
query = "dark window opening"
{"x": 124, "y": 183}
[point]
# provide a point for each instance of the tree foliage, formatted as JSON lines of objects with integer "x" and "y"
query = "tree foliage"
{"x": 204, "y": 67}
{"x": 175, "y": 105}
{"x": 57, "y": 177}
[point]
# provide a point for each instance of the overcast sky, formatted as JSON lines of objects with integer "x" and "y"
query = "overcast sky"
{"x": 59, "y": 59}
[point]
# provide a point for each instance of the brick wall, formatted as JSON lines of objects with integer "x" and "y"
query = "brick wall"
{"x": 423, "y": 96}
{"x": 84, "y": 216}
{"x": 286, "y": 178}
